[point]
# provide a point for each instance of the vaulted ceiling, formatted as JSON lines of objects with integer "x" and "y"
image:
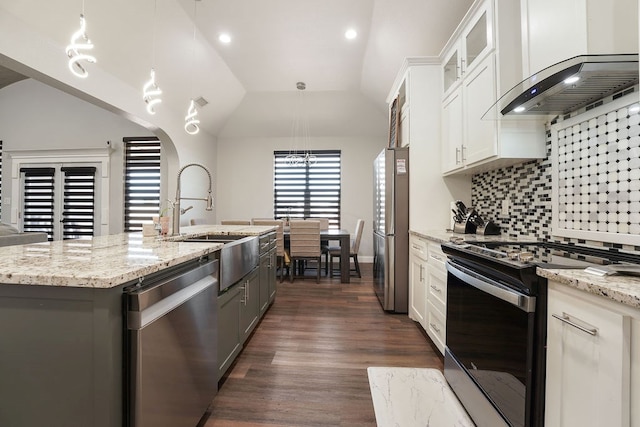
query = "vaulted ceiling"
{"x": 274, "y": 44}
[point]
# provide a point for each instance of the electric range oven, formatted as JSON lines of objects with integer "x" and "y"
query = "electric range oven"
{"x": 496, "y": 325}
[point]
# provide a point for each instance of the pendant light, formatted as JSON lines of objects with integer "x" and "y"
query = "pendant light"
{"x": 191, "y": 120}
{"x": 300, "y": 134}
{"x": 151, "y": 91}
{"x": 79, "y": 43}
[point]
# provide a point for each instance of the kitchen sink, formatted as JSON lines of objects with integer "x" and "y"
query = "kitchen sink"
{"x": 238, "y": 257}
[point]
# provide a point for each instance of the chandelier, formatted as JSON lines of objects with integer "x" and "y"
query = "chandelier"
{"x": 300, "y": 133}
{"x": 191, "y": 120}
{"x": 80, "y": 42}
{"x": 151, "y": 91}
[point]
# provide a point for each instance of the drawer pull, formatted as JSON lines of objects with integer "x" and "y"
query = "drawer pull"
{"x": 435, "y": 288}
{"x": 567, "y": 319}
{"x": 435, "y": 327}
{"x": 437, "y": 258}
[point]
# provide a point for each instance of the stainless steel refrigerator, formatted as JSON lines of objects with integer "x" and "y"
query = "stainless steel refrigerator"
{"x": 391, "y": 229}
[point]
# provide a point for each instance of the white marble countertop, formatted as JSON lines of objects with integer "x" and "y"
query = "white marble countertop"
{"x": 108, "y": 261}
{"x": 414, "y": 397}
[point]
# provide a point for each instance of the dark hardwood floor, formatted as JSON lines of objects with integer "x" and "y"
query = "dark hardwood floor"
{"x": 306, "y": 363}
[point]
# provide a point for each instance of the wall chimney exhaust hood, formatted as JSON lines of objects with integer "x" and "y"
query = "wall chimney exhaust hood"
{"x": 568, "y": 86}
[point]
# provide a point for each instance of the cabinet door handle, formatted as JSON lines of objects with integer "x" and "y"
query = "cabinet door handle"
{"x": 462, "y": 66}
{"x": 566, "y": 318}
{"x": 421, "y": 270}
{"x": 457, "y": 155}
{"x": 435, "y": 288}
{"x": 464, "y": 159}
{"x": 434, "y": 327}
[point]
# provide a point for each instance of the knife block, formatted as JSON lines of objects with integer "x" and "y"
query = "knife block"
{"x": 466, "y": 227}
{"x": 489, "y": 228}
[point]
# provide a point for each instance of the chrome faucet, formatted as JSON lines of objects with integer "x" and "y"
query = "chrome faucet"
{"x": 176, "y": 204}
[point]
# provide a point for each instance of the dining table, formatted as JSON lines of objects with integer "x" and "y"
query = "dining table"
{"x": 344, "y": 238}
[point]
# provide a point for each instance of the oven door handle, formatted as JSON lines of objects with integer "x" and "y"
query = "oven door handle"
{"x": 524, "y": 302}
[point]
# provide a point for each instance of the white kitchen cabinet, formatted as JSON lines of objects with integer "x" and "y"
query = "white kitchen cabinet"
{"x": 418, "y": 255}
{"x": 473, "y": 141}
{"x": 588, "y": 360}
{"x": 473, "y": 44}
{"x": 597, "y": 27}
{"x": 416, "y": 90}
{"x": 437, "y": 296}
{"x": 413, "y": 89}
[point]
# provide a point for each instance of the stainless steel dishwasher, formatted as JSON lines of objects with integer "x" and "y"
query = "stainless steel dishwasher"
{"x": 171, "y": 345}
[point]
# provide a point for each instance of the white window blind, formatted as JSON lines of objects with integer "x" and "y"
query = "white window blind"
{"x": 141, "y": 181}
{"x": 308, "y": 190}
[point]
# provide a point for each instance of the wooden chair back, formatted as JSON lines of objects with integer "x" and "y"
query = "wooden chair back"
{"x": 235, "y": 222}
{"x": 304, "y": 238}
{"x": 355, "y": 243}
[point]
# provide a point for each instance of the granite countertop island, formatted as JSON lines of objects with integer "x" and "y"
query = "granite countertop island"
{"x": 618, "y": 288}
{"x": 63, "y": 322}
{"x": 108, "y": 261}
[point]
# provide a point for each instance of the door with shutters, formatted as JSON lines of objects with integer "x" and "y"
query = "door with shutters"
{"x": 60, "y": 200}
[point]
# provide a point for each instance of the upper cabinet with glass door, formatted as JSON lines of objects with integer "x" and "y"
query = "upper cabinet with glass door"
{"x": 465, "y": 51}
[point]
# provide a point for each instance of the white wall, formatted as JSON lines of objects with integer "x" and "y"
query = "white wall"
{"x": 245, "y": 179}
{"x": 34, "y": 116}
{"x": 262, "y": 124}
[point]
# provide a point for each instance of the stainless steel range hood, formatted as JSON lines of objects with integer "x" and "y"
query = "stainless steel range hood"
{"x": 569, "y": 86}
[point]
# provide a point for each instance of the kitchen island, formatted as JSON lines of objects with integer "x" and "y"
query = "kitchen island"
{"x": 62, "y": 323}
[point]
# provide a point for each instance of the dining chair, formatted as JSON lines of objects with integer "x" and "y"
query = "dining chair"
{"x": 199, "y": 221}
{"x": 304, "y": 245}
{"x": 280, "y": 264}
{"x": 334, "y": 251}
{"x": 235, "y": 222}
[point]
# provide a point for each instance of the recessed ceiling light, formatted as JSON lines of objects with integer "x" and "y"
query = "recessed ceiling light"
{"x": 351, "y": 34}
{"x": 224, "y": 38}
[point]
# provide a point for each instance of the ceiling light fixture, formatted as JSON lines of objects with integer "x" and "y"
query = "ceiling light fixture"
{"x": 151, "y": 91}
{"x": 224, "y": 38}
{"x": 300, "y": 134}
{"x": 80, "y": 42}
{"x": 191, "y": 120}
{"x": 351, "y": 34}
{"x": 571, "y": 80}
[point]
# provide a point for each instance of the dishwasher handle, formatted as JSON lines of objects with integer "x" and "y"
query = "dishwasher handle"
{"x": 144, "y": 305}
{"x": 137, "y": 320}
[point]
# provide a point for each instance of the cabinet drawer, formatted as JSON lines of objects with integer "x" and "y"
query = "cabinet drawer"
{"x": 437, "y": 286}
{"x": 436, "y": 326}
{"x": 437, "y": 258}
{"x": 419, "y": 248}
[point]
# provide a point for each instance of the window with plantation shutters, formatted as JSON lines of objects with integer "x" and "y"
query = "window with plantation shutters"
{"x": 38, "y": 200}
{"x": 308, "y": 190}
{"x": 141, "y": 181}
{"x": 78, "y": 211}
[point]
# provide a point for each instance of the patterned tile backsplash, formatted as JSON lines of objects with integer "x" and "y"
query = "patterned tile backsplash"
{"x": 598, "y": 183}
{"x": 526, "y": 187}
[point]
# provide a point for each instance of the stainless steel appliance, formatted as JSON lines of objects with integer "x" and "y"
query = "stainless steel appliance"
{"x": 391, "y": 229}
{"x": 496, "y": 324}
{"x": 171, "y": 345}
